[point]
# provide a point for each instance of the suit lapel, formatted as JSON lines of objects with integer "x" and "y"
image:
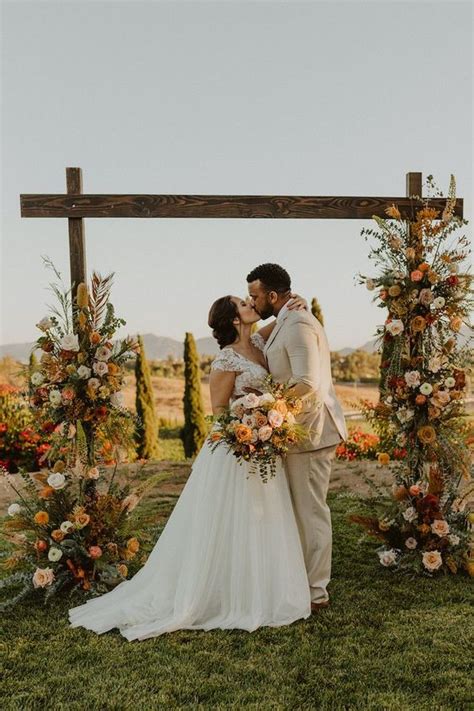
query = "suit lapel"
{"x": 275, "y": 331}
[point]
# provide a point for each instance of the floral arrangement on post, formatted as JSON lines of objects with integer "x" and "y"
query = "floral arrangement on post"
{"x": 428, "y": 294}
{"x": 67, "y": 535}
{"x": 80, "y": 373}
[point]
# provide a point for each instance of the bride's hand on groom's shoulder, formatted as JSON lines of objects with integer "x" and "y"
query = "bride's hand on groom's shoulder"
{"x": 297, "y": 303}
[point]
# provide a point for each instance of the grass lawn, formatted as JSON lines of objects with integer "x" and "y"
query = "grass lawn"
{"x": 385, "y": 643}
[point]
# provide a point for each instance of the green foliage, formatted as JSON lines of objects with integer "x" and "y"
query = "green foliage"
{"x": 317, "y": 311}
{"x": 194, "y": 431}
{"x": 356, "y": 366}
{"x": 146, "y": 433}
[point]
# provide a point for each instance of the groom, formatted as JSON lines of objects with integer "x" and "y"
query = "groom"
{"x": 297, "y": 351}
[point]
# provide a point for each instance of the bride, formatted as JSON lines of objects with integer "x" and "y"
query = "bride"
{"x": 230, "y": 555}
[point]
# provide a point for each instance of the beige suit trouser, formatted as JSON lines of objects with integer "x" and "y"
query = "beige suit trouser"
{"x": 308, "y": 478}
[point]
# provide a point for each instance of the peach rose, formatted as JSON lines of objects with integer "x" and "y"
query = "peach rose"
{"x": 41, "y": 518}
{"x": 243, "y": 433}
{"x": 420, "y": 399}
{"x": 95, "y": 337}
{"x": 416, "y": 275}
{"x": 133, "y": 545}
{"x": 95, "y": 551}
{"x": 415, "y": 490}
{"x": 123, "y": 570}
{"x": 93, "y": 473}
{"x": 264, "y": 433}
{"x": 440, "y": 527}
{"x": 43, "y": 577}
{"x": 57, "y": 535}
{"x": 432, "y": 560}
{"x": 280, "y": 406}
{"x": 275, "y": 418}
{"x": 260, "y": 419}
{"x": 82, "y": 520}
{"x": 418, "y": 324}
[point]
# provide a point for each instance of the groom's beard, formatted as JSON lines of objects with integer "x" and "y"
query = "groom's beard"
{"x": 265, "y": 313}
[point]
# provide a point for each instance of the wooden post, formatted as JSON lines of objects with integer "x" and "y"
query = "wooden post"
{"x": 77, "y": 245}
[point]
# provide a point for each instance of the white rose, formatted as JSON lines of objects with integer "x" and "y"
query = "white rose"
{"x": 54, "y": 554}
{"x": 37, "y": 378}
{"x": 14, "y": 509}
{"x": 237, "y": 403}
{"x": 264, "y": 433}
{"x": 410, "y": 514}
{"x": 84, "y": 372}
{"x": 100, "y": 367}
{"x": 453, "y": 539}
{"x": 412, "y": 378}
{"x": 251, "y": 400}
{"x": 387, "y": 557}
{"x": 103, "y": 353}
{"x": 434, "y": 364}
{"x": 398, "y": 274}
{"x": 450, "y": 382}
{"x": 439, "y": 302}
{"x": 440, "y": 527}
{"x": 275, "y": 418}
{"x": 426, "y": 389}
{"x": 57, "y": 480}
{"x": 44, "y": 324}
{"x": 405, "y": 415}
{"x": 66, "y": 526}
{"x": 42, "y": 577}
{"x": 117, "y": 399}
{"x": 70, "y": 342}
{"x": 395, "y": 328}
{"x": 370, "y": 284}
{"x": 93, "y": 383}
{"x": 55, "y": 397}
{"x": 432, "y": 560}
{"x": 249, "y": 420}
{"x": 411, "y": 543}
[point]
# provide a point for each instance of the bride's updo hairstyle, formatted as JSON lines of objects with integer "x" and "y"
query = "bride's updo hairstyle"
{"x": 222, "y": 313}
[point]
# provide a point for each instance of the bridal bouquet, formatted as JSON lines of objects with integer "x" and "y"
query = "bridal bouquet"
{"x": 260, "y": 428}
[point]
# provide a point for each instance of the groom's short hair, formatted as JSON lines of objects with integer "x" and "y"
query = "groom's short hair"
{"x": 272, "y": 276}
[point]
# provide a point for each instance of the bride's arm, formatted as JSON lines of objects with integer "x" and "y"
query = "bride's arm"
{"x": 221, "y": 383}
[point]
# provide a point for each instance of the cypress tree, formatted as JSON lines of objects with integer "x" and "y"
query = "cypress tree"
{"x": 316, "y": 311}
{"x": 194, "y": 431}
{"x": 146, "y": 432}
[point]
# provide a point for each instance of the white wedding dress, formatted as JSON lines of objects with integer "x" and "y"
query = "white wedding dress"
{"x": 229, "y": 556}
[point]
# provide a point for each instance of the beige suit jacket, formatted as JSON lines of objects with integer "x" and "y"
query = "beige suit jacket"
{"x": 297, "y": 351}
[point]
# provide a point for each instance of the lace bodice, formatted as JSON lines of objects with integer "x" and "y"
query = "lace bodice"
{"x": 250, "y": 374}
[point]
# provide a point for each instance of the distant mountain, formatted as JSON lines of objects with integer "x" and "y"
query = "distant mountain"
{"x": 161, "y": 347}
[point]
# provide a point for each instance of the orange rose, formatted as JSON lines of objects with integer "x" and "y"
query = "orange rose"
{"x": 82, "y": 520}
{"x": 123, "y": 570}
{"x": 420, "y": 399}
{"x": 41, "y": 518}
{"x": 383, "y": 458}
{"x": 455, "y": 323}
{"x": 423, "y": 267}
{"x": 280, "y": 406}
{"x": 57, "y": 535}
{"x": 426, "y": 434}
{"x": 418, "y": 324}
{"x": 216, "y": 436}
{"x": 113, "y": 368}
{"x": 243, "y": 433}
{"x": 133, "y": 545}
{"x": 416, "y": 275}
{"x": 95, "y": 337}
{"x": 433, "y": 277}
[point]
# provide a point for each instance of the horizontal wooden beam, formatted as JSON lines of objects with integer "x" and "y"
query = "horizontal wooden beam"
{"x": 220, "y": 206}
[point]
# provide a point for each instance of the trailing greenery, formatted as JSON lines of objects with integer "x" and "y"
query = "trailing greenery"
{"x": 194, "y": 431}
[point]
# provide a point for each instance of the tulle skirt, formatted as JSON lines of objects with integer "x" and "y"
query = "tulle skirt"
{"x": 229, "y": 557}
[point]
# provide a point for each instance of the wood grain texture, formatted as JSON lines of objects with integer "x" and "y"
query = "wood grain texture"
{"x": 219, "y": 206}
{"x": 77, "y": 242}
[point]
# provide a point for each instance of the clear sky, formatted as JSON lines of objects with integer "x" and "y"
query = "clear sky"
{"x": 302, "y": 98}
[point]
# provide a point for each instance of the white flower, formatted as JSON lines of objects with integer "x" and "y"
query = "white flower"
{"x": 117, "y": 399}
{"x": 249, "y": 420}
{"x": 93, "y": 383}
{"x": 434, "y": 364}
{"x": 412, "y": 378}
{"x": 450, "y": 382}
{"x": 275, "y": 418}
{"x": 266, "y": 397}
{"x": 395, "y": 327}
{"x": 14, "y": 509}
{"x": 426, "y": 389}
{"x": 370, "y": 284}
{"x": 387, "y": 557}
{"x": 93, "y": 473}
{"x": 103, "y": 353}
{"x": 57, "y": 481}
{"x": 405, "y": 414}
{"x": 398, "y": 274}
{"x": 66, "y": 526}
{"x": 100, "y": 367}
{"x": 290, "y": 418}
{"x": 389, "y": 400}
{"x": 37, "y": 378}
{"x": 237, "y": 403}
{"x": 439, "y": 302}
{"x": 440, "y": 527}
{"x": 410, "y": 514}
{"x": 70, "y": 342}
{"x": 44, "y": 324}
{"x": 432, "y": 560}
{"x": 42, "y": 577}
{"x": 401, "y": 439}
{"x": 55, "y": 397}
{"x": 54, "y": 554}
{"x": 453, "y": 539}
{"x": 84, "y": 372}
{"x": 426, "y": 297}
{"x": 411, "y": 543}
{"x": 251, "y": 400}
{"x": 264, "y": 433}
